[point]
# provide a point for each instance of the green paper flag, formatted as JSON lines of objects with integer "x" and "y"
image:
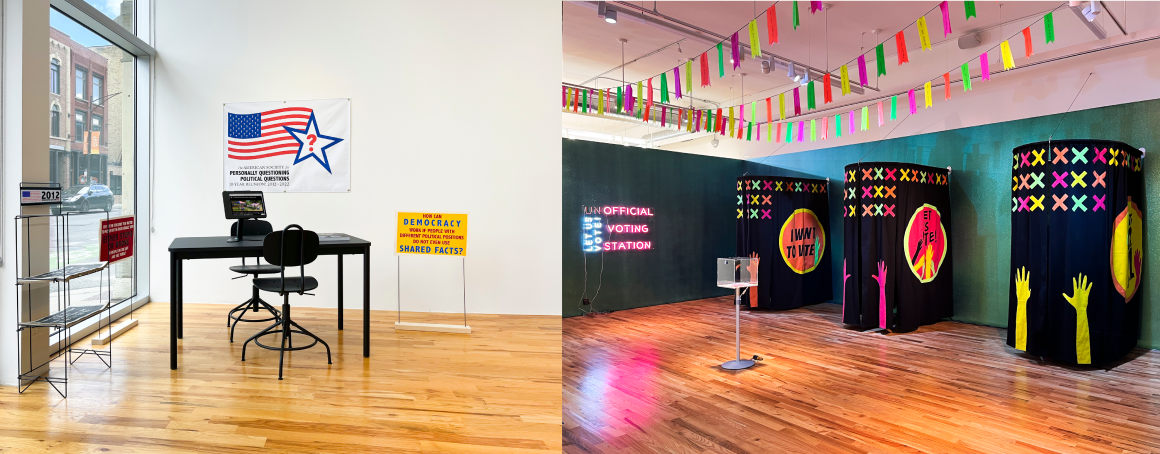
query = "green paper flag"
{"x": 865, "y": 117}
{"x": 966, "y": 77}
{"x": 709, "y": 120}
{"x": 585, "y": 101}
{"x": 720, "y": 62}
{"x": 639, "y": 99}
{"x": 796, "y": 21}
{"x": 838, "y": 125}
{"x": 789, "y": 132}
{"x": 619, "y": 100}
{"x": 1049, "y": 27}
{"x": 664, "y": 88}
{"x": 810, "y": 104}
{"x": 969, "y": 7}
{"x": 893, "y": 108}
{"x": 749, "y": 132}
{"x": 813, "y": 130}
{"x": 753, "y": 109}
{"x": 878, "y": 55}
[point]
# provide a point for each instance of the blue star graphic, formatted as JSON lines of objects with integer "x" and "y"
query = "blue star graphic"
{"x": 300, "y": 134}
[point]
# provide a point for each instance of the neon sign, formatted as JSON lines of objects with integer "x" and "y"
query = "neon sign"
{"x": 596, "y": 232}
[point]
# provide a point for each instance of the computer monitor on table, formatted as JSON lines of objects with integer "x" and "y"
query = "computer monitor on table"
{"x": 242, "y": 205}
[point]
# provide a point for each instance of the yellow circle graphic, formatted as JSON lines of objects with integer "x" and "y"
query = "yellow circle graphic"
{"x": 1127, "y": 250}
{"x": 802, "y": 241}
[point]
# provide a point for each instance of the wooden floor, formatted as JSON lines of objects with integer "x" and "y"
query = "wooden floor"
{"x": 647, "y": 380}
{"x": 494, "y": 391}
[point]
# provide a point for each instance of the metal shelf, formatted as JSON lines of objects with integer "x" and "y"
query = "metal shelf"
{"x": 65, "y": 274}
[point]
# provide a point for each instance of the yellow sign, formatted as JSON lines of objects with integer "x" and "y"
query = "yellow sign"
{"x": 431, "y": 234}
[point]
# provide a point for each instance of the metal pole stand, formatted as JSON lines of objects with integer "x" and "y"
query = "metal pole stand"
{"x": 738, "y": 363}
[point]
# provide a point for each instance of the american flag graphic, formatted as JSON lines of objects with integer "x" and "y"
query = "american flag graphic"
{"x": 262, "y": 135}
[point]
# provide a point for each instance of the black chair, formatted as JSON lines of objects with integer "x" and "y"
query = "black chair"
{"x": 255, "y": 303}
{"x": 289, "y": 247}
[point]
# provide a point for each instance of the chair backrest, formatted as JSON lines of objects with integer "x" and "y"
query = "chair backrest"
{"x": 252, "y": 227}
{"x": 291, "y": 246}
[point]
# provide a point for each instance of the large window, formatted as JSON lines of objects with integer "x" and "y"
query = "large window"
{"x": 54, "y": 76}
{"x": 80, "y": 82}
{"x": 95, "y": 135}
{"x": 54, "y": 121}
{"x": 98, "y": 81}
{"x": 79, "y": 128}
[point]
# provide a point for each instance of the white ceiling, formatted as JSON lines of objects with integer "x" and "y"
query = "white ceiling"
{"x": 590, "y": 46}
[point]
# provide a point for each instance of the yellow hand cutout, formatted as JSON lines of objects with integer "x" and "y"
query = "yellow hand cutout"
{"x": 1022, "y": 293}
{"x": 1079, "y": 300}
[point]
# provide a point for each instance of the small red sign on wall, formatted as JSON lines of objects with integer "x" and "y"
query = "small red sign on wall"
{"x": 117, "y": 238}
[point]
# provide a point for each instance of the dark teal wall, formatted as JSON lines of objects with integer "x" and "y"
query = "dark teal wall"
{"x": 981, "y": 195}
{"x": 692, "y": 201}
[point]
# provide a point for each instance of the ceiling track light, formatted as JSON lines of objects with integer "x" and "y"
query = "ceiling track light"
{"x": 792, "y": 74}
{"x": 610, "y": 16}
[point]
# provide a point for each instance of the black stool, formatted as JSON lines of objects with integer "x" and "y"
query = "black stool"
{"x": 252, "y": 228}
{"x": 288, "y": 248}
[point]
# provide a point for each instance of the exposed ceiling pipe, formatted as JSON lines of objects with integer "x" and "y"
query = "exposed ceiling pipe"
{"x": 674, "y": 25}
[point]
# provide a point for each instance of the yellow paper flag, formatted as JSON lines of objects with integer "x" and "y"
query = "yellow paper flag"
{"x": 923, "y": 35}
{"x": 732, "y": 124}
{"x": 781, "y": 103}
{"x": 1008, "y": 60}
{"x": 845, "y": 81}
{"x": 926, "y": 93}
{"x": 754, "y": 39}
{"x": 600, "y": 102}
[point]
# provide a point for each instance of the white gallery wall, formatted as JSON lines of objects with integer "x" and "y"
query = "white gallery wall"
{"x": 450, "y": 113}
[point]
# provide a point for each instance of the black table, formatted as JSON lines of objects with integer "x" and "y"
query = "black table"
{"x": 216, "y": 247}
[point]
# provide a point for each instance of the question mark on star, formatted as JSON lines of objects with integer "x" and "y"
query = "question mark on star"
{"x": 312, "y": 138}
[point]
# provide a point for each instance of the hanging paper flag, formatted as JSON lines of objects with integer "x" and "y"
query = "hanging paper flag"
{"x": 862, "y": 70}
{"x": 677, "y": 80}
{"x": 801, "y": 132}
{"x": 853, "y": 118}
{"x": 777, "y": 137}
{"x": 585, "y": 101}
{"x": 797, "y": 102}
{"x": 771, "y": 23}
{"x": 753, "y": 111}
{"x": 796, "y": 22}
{"x": 619, "y": 100}
{"x": 600, "y": 104}
{"x": 845, "y": 81}
{"x": 720, "y": 61}
{"x": 893, "y": 108}
{"x": 1027, "y": 52}
{"x": 732, "y": 122}
{"x": 575, "y": 100}
{"x": 769, "y": 134}
{"x": 838, "y": 125}
{"x": 969, "y": 8}
{"x": 985, "y": 66}
{"x": 749, "y": 132}
{"x": 758, "y": 138}
{"x": 881, "y": 118}
{"x": 813, "y": 130}
{"x": 696, "y": 117}
{"x": 741, "y": 113}
{"x": 967, "y": 77}
{"x": 827, "y": 92}
{"x": 947, "y": 85}
{"x": 754, "y": 39}
{"x": 648, "y": 111}
{"x": 769, "y": 109}
{"x": 722, "y": 123}
{"x": 913, "y": 104}
{"x": 1008, "y": 60}
{"x": 781, "y": 104}
{"x": 649, "y": 96}
{"x": 639, "y": 98}
{"x": 564, "y": 93}
{"x": 705, "y": 69}
{"x": 736, "y": 51}
{"x": 664, "y": 88}
{"x": 946, "y": 13}
{"x": 825, "y": 128}
{"x": 815, "y": 6}
{"x": 865, "y": 117}
{"x": 900, "y": 39}
{"x": 880, "y": 59}
{"x": 923, "y": 36}
{"x": 789, "y": 132}
{"x": 688, "y": 76}
{"x": 926, "y": 94}
{"x": 1048, "y": 27}
{"x": 664, "y": 115}
{"x": 810, "y": 103}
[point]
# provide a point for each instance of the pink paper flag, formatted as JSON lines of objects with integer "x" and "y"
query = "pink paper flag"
{"x": 801, "y": 134}
{"x": 881, "y": 118}
{"x": 677, "y": 77}
{"x": 825, "y": 128}
{"x": 742, "y": 113}
{"x": 852, "y": 128}
{"x": 797, "y": 102}
{"x": 736, "y": 51}
{"x": 986, "y": 66}
{"x": 815, "y": 7}
{"x": 758, "y": 128}
{"x": 946, "y": 13}
{"x": 862, "y": 69}
{"x": 913, "y": 104}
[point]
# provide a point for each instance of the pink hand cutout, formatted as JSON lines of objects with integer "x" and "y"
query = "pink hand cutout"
{"x": 846, "y": 276}
{"x": 881, "y": 278}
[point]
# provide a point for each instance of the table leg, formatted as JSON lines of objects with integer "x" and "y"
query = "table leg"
{"x": 180, "y": 300}
{"x": 172, "y": 312}
{"x": 340, "y": 282}
{"x": 367, "y": 302}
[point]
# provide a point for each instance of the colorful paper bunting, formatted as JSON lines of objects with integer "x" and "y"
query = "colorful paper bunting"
{"x": 705, "y": 69}
{"x": 754, "y": 39}
{"x": 913, "y": 104}
{"x": 985, "y": 66}
{"x": 771, "y": 23}
{"x": 969, "y": 9}
{"x": 797, "y": 102}
{"x": 838, "y": 125}
{"x": 815, "y": 6}
{"x": 585, "y": 101}
{"x": 880, "y": 59}
{"x": 781, "y": 104}
{"x": 736, "y": 53}
{"x": 893, "y": 108}
{"x": 827, "y": 91}
{"x": 769, "y": 109}
{"x": 926, "y": 94}
{"x": 638, "y": 98}
{"x": 946, "y": 17}
{"x": 862, "y": 70}
{"x": 865, "y": 118}
{"x": 967, "y": 78}
{"x": 732, "y": 122}
{"x": 749, "y": 132}
{"x": 777, "y": 137}
{"x": 810, "y": 103}
{"x": 619, "y": 100}
{"x": 881, "y": 118}
{"x": 1027, "y": 52}
{"x": 900, "y": 40}
{"x": 1008, "y": 60}
{"x": 664, "y": 88}
{"x": 853, "y": 118}
{"x": 845, "y": 80}
{"x": 769, "y": 134}
{"x": 664, "y": 114}
{"x": 796, "y": 21}
{"x": 720, "y": 61}
{"x": 801, "y": 132}
{"x": 825, "y": 128}
{"x": 649, "y": 92}
{"x": 1049, "y": 28}
{"x": 923, "y": 36}
{"x": 947, "y": 85}
{"x": 677, "y": 80}
{"x": 689, "y": 75}
{"x": 600, "y": 104}
{"x": 813, "y": 130}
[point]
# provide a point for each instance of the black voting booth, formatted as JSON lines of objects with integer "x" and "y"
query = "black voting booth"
{"x": 897, "y": 264}
{"x": 1077, "y": 230}
{"x": 782, "y": 221}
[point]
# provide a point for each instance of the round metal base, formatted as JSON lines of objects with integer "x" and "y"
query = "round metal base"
{"x": 738, "y": 364}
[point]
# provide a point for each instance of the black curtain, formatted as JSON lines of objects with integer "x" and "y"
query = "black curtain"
{"x": 782, "y": 221}
{"x": 1076, "y": 250}
{"x": 897, "y": 263}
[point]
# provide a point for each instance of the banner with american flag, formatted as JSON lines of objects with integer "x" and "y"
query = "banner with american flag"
{"x": 288, "y": 146}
